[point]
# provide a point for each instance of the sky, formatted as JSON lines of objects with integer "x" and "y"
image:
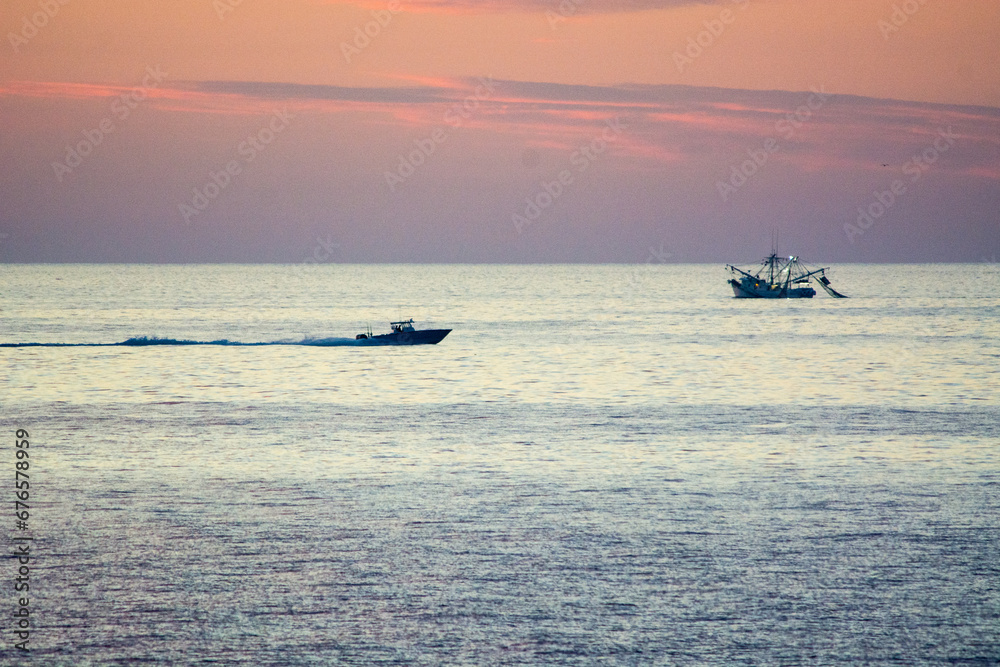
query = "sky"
{"x": 499, "y": 131}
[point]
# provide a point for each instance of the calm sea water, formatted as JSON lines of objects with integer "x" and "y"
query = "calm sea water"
{"x": 601, "y": 465}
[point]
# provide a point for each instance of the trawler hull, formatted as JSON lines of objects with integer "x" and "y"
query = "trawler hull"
{"x": 779, "y": 278}
{"x": 747, "y": 290}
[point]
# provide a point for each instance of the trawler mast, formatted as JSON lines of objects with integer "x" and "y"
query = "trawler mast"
{"x": 778, "y": 278}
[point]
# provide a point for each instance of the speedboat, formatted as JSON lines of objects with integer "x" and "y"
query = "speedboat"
{"x": 403, "y": 333}
{"x": 779, "y": 278}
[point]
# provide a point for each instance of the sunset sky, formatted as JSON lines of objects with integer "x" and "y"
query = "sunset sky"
{"x": 499, "y": 131}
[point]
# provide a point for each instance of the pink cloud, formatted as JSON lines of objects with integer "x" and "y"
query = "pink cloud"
{"x": 669, "y": 122}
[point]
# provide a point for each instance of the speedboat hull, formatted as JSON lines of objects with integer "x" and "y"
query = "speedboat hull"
{"x": 424, "y": 337}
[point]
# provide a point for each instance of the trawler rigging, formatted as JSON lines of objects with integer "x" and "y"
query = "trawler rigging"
{"x": 779, "y": 278}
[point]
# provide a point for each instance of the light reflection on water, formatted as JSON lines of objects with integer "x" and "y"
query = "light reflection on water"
{"x": 600, "y": 465}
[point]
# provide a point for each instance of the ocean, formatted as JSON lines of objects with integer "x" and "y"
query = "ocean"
{"x": 600, "y": 465}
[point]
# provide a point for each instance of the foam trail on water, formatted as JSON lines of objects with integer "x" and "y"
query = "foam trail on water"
{"x": 144, "y": 341}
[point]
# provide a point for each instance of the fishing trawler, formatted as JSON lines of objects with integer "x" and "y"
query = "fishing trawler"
{"x": 403, "y": 333}
{"x": 779, "y": 278}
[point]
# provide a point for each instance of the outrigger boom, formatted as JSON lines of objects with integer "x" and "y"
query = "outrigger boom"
{"x": 779, "y": 278}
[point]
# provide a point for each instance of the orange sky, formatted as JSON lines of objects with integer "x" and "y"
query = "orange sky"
{"x": 564, "y": 71}
{"x": 945, "y": 52}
